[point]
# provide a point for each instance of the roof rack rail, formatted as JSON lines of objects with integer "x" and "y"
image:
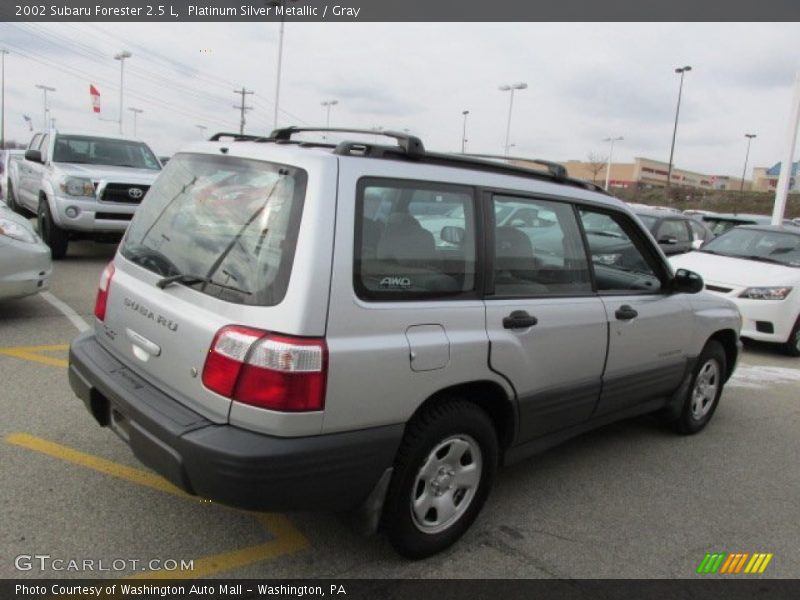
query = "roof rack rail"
{"x": 411, "y": 144}
{"x": 237, "y": 137}
{"x": 553, "y": 168}
{"x": 411, "y": 147}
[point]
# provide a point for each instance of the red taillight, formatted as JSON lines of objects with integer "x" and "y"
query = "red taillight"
{"x": 267, "y": 370}
{"x": 102, "y": 292}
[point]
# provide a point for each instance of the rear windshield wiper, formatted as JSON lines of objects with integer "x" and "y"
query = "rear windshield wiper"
{"x": 194, "y": 279}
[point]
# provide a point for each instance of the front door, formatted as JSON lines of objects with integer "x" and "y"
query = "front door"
{"x": 648, "y": 330}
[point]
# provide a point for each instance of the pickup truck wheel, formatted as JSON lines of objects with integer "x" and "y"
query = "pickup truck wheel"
{"x": 55, "y": 237}
{"x": 442, "y": 476}
{"x": 792, "y": 345}
{"x": 705, "y": 389}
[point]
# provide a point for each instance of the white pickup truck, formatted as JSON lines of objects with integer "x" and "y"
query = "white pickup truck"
{"x": 82, "y": 186}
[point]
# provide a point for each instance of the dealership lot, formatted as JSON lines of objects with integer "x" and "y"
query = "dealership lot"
{"x": 630, "y": 500}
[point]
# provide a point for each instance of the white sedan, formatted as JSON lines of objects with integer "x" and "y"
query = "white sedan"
{"x": 25, "y": 265}
{"x": 758, "y": 267}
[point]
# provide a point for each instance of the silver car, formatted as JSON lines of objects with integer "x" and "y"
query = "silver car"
{"x": 287, "y": 327}
{"x": 25, "y": 265}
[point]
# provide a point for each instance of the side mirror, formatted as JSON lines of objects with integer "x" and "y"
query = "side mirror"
{"x": 687, "y": 282}
{"x": 452, "y": 235}
{"x": 33, "y": 156}
{"x": 668, "y": 240}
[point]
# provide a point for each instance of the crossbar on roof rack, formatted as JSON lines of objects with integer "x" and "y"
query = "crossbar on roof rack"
{"x": 553, "y": 168}
{"x": 411, "y": 144}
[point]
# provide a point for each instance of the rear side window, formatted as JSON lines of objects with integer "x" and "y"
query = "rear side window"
{"x": 538, "y": 249}
{"x": 673, "y": 228}
{"x": 228, "y": 224}
{"x": 414, "y": 240}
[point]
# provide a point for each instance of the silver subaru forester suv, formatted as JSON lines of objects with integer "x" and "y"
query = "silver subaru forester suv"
{"x": 354, "y": 326}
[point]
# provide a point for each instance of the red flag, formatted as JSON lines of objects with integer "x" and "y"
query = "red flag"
{"x": 95, "y": 94}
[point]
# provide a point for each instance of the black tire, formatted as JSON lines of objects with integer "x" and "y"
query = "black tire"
{"x": 55, "y": 237}
{"x": 792, "y": 345}
{"x": 466, "y": 447}
{"x": 705, "y": 389}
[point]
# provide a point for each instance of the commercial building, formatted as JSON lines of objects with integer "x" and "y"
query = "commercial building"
{"x": 765, "y": 179}
{"x": 646, "y": 172}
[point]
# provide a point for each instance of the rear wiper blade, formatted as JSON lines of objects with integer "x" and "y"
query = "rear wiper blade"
{"x": 194, "y": 279}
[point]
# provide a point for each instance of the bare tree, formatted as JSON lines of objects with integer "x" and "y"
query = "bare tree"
{"x": 596, "y": 163}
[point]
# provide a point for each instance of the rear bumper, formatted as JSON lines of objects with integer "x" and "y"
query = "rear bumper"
{"x": 223, "y": 463}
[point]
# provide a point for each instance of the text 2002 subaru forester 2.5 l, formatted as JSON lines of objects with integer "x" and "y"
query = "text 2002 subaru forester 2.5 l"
{"x": 294, "y": 325}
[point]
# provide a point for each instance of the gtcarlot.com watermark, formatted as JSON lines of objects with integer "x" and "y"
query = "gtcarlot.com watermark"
{"x": 46, "y": 562}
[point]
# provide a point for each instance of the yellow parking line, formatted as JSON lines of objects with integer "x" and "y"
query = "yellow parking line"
{"x": 286, "y": 539}
{"x": 96, "y": 463}
{"x": 32, "y": 353}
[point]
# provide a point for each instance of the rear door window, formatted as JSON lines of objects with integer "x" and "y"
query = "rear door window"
{"x": 414, "y": 240}
{"x": 229, "y": 225}
{"x": 538, "y": 249}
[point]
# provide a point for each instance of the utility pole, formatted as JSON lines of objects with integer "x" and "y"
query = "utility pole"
{"x": 464, "y": 132}
{"x": 242, "y": 108}
{"x": 610, "y": 155}
{"x": 3, "y": 53}
{"x": 681, "y": 71}
{"x": 121, "y": 56}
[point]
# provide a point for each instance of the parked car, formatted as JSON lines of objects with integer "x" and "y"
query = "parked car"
{"x": 25, "y": 265}
{"x": 83, "y": 186}
{"x": 280, "y": 329}
{"x": 758, "y": 267}
{"x": 7, "y": 160}
{"x": 719, "y": 223}
{"x": 675, "y": 233}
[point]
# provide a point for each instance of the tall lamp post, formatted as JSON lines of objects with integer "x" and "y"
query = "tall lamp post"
{"x": 202, "y": 129}
{"x": 464, "y": 133}
{"x": 681, "y": 71}
{"x": 328, "y": 104}
{"x": 610, "y": 154}
{"x": 135, "y": 111}
{"x": 121, "y": 56}
{"x": 3, "y": 53}
{"x": 511, "y": 87}
{"x": 278, "y": 5}
{"x": 749, "y": 137}
{"x": 45, "y": 89}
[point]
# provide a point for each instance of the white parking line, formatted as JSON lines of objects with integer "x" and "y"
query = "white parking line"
{"x": 74, "y": 317}
{"x": 758, "y": 377}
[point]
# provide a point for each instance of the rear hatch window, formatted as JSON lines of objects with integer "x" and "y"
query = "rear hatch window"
{"x": 225, "y": 226}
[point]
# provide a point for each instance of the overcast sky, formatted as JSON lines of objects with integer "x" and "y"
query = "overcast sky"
{"x": 585, "y": 82}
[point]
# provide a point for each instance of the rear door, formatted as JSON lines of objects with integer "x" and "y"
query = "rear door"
{"x": 236, "y": 223}
{"x": 548, "y": 330}
{"x": 649, "y": 328}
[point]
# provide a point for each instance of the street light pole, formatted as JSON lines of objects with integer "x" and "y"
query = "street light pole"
{"x": 464, "y": 133}
{"x": 202, "y": 129}
{"x": 45, "y": 89}
{"x": 135, "y": 112}
{"x": 121, "y": 56}
{"x": 328, "y": 104}
{"x": 610, "y": 155}
{"x": 3, "y": 53}
{"x": 279, "y": 5}
{"x": 749, "y": 137}
{"x": 682, "y": 71}
{"x": 510, "y": 88}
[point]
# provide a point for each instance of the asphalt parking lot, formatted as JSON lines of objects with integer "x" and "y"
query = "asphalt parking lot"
{"x": 630, "y": 500}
